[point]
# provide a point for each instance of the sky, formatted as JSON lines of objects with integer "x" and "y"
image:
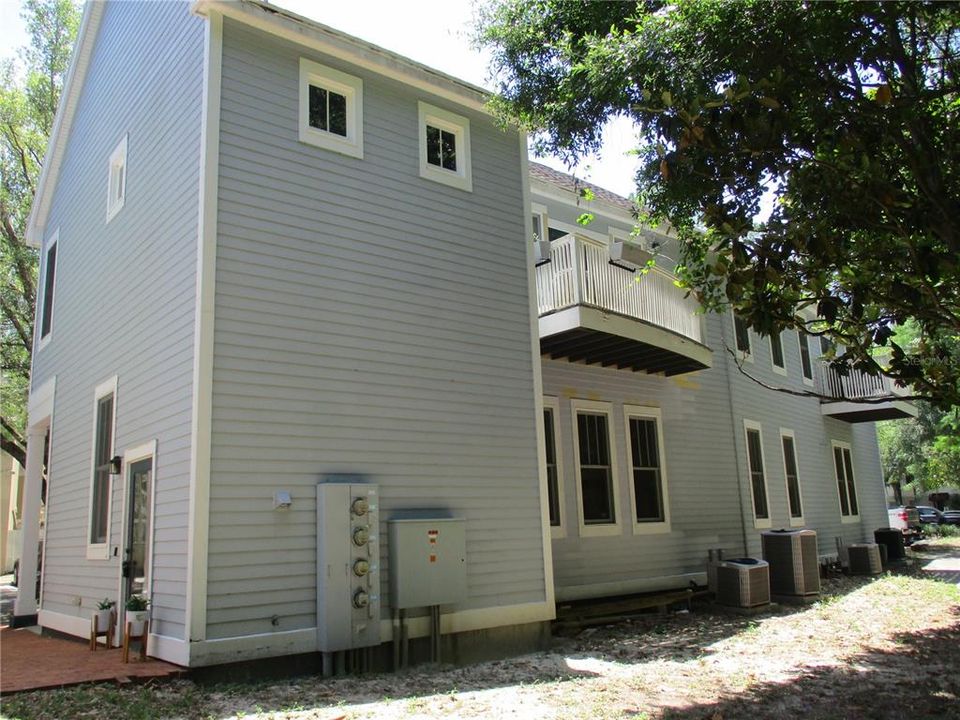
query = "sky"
{"x": 432, "y": 32}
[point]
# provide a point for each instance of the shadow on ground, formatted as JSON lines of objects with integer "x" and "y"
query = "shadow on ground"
{"x": 918, "y": 680}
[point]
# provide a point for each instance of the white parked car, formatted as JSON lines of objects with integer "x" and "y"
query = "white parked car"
{"x": 906, "y": 520}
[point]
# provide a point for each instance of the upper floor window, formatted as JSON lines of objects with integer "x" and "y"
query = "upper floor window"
{"x": 49, "y": 284}
{"x": 331, "y": 109}
{"x": 444, "y": 147}
{"x": 742, "y": 335}
{"x": 117, "y": 180}
{"x": 776, "y": 354}
{"x": 806, "y": 367}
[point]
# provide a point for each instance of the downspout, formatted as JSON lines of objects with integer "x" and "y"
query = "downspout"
{"x": 736, "y": 444}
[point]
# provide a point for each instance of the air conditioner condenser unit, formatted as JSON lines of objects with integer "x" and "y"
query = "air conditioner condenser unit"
{"x": 794, "y": 562}
{"x": 864, "y": 559}
{"x": 743, "y": 583}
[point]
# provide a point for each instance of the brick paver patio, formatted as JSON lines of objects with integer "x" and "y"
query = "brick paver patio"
{"x": 31, "y": 662}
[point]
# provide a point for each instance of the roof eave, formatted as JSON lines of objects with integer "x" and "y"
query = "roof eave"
{"x": 63, "y": 120}
{"x": 324, "y": 39}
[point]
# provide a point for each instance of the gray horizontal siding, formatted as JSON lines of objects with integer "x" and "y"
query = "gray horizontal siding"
{"x": 706, "y": 466}
{"x": 700, "y": 466}
{"x": 125, "y": 298}
{"x": 367, "y": 321}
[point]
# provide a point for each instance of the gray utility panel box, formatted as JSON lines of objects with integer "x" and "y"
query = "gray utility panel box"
{"x": 428, "y": 562}
{"x": 348, "y": 566}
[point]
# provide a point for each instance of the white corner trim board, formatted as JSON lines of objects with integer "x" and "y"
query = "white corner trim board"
{"x": 198, "y": 522}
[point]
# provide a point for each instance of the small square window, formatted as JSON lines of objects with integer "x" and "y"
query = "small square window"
{"x": 328, "y": 111}
{"x": 444, "y": 147}
{"x": 331, "y": 109}
{"x": 117, "y": 179}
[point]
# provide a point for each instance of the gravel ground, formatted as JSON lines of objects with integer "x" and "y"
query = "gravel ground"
{"x": 886, "y": 647}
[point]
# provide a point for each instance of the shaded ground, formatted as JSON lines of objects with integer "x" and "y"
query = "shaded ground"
{"x": 872, "y": 648}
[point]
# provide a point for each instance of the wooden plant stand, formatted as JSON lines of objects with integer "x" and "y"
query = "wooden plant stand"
{"x": 142, "y": 638}
{"x": 96, "y": 631}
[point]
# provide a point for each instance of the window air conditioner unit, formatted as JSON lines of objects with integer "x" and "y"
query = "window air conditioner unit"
{"x": 541, "y": 250}
{"x": 794, "y": 562}
{"x": 864, "y": 559}
{"x": 616, "y": 250}
{"x": 743, "y": 583}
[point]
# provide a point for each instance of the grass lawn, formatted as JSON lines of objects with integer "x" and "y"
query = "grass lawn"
{"x": 885, "y": 647}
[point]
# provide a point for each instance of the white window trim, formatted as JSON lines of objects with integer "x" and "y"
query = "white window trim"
{"x": 553, "y": 404}
{"x": 794, "y": 521}
{"x": 654, "y": 527}
{"x": 42, "y": 294}
{"x": 101, "y": 551}
{"x": 801, "y": 338}
{"x": 328, "y": 78}
{"x": 783, "y": 353}
{"x": 118, "y": 158}
{"x": 606, "y": 408}
{"x": 758, "y": 523}
{"x": 845, "y": 519}
{"x": 741, "y": 355}
{"x": 130, "y": 456}
{"x": 460, "y": 127}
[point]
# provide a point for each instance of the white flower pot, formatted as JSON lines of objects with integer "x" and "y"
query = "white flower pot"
{"x": 136, "y": 619}
{"x": 103, "y": 619}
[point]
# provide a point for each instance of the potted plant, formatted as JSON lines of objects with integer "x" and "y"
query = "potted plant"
{"x": 104, "y": 608}
{"x": 137, "y": 613}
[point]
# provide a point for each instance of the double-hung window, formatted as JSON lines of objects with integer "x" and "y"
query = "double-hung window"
{"x": 551, "y": 436}
{"x": 741, "y": 333}
{"x": 846, "y": 486}
{"x": 331, "y": 109}
{"x": 758, "y": 475}
{"x": 794, "y": 502}
{"x": 776, "y": 354}
{"x": 648, "y": 488}
{"x": 806, "y": 367}
{"x": 444, "y": 147}
{"x": 104, "y": 427}
{"x": 596, "y": 468}
{"x": 49, "y": 285}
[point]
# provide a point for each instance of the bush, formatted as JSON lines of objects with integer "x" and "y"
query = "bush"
{"x": 938, "y": 531}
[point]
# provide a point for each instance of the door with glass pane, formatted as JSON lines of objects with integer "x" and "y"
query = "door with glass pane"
{"x": 140, "y": 477}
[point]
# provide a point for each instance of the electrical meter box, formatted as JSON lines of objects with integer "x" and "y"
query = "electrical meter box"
{"x": 348, "y": 566}
{"x": 428, "y": 561}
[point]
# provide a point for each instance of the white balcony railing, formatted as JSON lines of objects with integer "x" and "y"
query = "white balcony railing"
{"x": 855, "y": 386}
{"x": 580, "y": 273}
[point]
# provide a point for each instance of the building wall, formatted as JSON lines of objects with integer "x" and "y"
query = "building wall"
{"x": 124, "y": 300}
{"x": 706, "y": 465}
{"x": 368, "y": 322}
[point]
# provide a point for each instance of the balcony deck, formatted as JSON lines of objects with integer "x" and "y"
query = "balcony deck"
{"x": 600, "y": 312}
{"x": 851, "y": 390}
